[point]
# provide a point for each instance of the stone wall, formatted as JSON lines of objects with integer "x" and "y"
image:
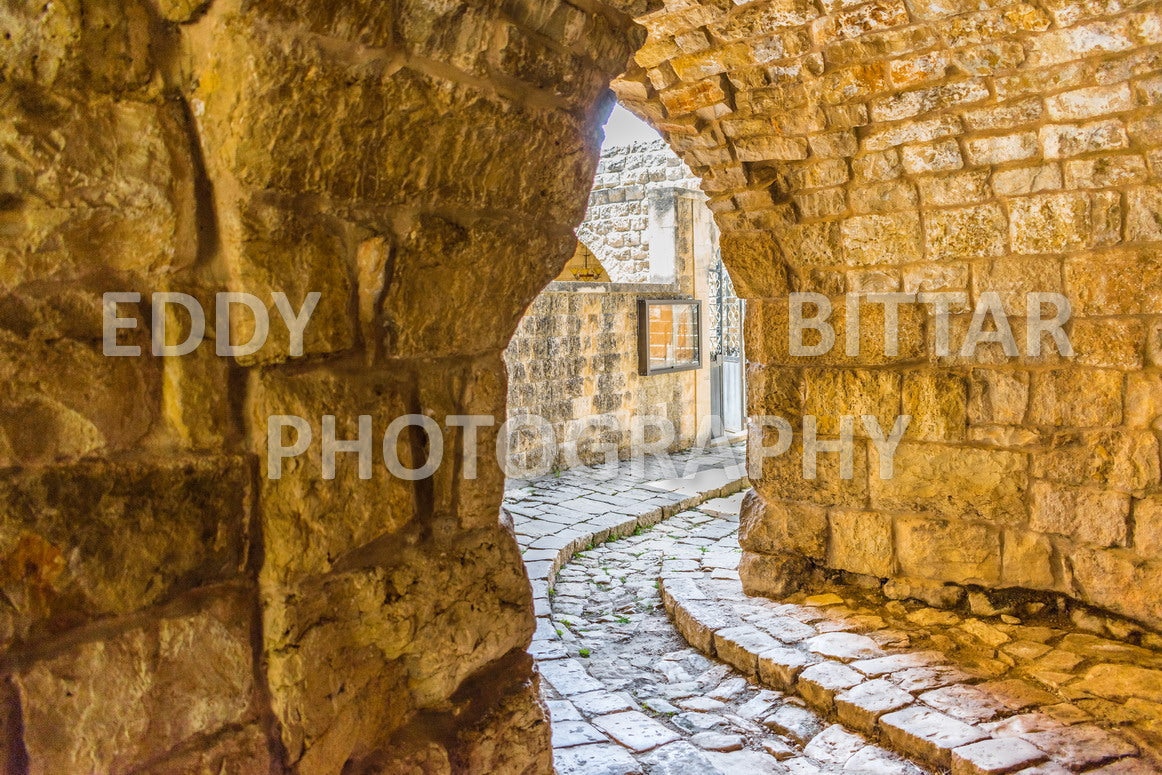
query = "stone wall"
{"x": 575, "y": 355}
{"x": 1006, "y": 147}
{"x": 423, "y": 168}
{"x": 619, "y": 225}
{"x": 167, "y": 606}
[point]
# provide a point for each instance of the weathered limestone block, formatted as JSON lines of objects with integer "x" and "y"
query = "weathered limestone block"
{"x": 246, "y": 750}
{"x": 1028, "y": 560}
{"x": 1089, "y": 515}
{"x": 954, "y": 482}
{"x": 1143, "y": 399}
{"x": 113, "y": 705}
{"x": 937, "y": 403}
{"x": 93, "y": 186}
{"x": 970, "y": 232}
{"x": 999, "y": 397}
{"x": 757, "y": 265}
{"x": 307, "y": 527}
{"x": 775, "y": 392}
{"x": 782, "y": 478}
{"x": 832, "y": 393}
{"x": 771, "y": 575}
{"x": 420, "y": 316}
{"x": 275, "y": 237}
{"x": 1148, "y": 526}
{"x": 98, "y": 47}
{"x": 401, "y": 120}
{"x": 1109, "y": 343}
{"x": 1076, "y": 398}
{"x": 355, "y": 653}
{"x": 767, "y": 324}
{"x": 1118, "y": 580}
{"x": 66, "y": 556}
{"x": 771, "y": 527}
{"x": 946, "y": 550}
{"x": 1113, "y": 459}
{"x": 861, "y": 542}
{"x": 511, "y": 736}
{"x": 1115, "y": 282}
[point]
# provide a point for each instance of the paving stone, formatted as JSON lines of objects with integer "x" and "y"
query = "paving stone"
{"x": 658, "y": 705}
{"x": 1015, "y": 694}
{"x": 895, "y": 663}
{"x": 786, "y": 629}
{"x": 1081, "y": 746}
{"x": 860, "y": 706}
{"x": 995, "y": 756}
{"x": 756, "y": 706}
{"x": 745, "y": 762}
{"x": 700, "y": 722}
{"x": 928, "y": 734}
{"x": 818, "y": 684}
{"x": 728, "y": 688}
{"x": 740, "y": 647}
{"x": 635, "y": 730}
{"x": 778, "y": 749}
{"x": 844, "y": 646}
{"x": 1048, "y": 768}
{"x": 568, "y": 677}
{"x": 797, "y": 723}
{"x": 563, "y": 710}
{"x": 680, "y": 758}
{"x": 567, "y": 733}
{"x": 968, "y": 703}
{"x": 599, "y": 759}
{"x": 601, "y": 702}
{"x": 717, "y": 741}
{"x": 834, "y": 745}
{"x": 920, "y": 679}
{"x": 701, "y": 704}
{"x": 873, "y": 760}
{"x": 781, "y": 666}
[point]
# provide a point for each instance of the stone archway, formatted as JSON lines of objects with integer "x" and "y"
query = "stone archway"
{"x": 418, "y": 163}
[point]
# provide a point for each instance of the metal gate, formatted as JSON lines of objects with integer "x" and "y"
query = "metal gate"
{"x": 727, "y": 375}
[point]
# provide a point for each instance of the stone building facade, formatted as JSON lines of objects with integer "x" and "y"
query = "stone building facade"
{"x": 631, "y": 180}
{"x": 574, "y": 362}
{"x": 169, "y": 607}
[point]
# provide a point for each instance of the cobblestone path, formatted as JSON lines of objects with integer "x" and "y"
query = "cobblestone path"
{"x": 826, "y": 681}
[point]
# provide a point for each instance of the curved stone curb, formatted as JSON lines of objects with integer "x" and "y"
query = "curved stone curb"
{"x": 593, "y": 530}
{"x": 844, "y": 677}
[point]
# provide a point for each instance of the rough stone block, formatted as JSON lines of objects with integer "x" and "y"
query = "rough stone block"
{"x": 860, "y": 542}
{"x": 110, "y": 704}
{"x": 992, "y": 757}
{"x": 1091, "y": 515}
{"x": 963, "y": 233}
{"x": 960, "y": 483}
{"x": 928, "y": 734}
{"x": 64, "y": 539}
{"x": 818, "y": 684}
{"x": 860, "y": 706}
{"x": 1048, "y": 223}
{"x": 948, "y": 551}
{"x": 1076, "y": 398}
{"x": 780, "y": 666}
{"x": 882, "y": 239}
{"x": 740, "y": 647}
{"x": 771, "y": 527}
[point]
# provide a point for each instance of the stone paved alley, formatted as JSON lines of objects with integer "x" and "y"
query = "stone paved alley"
{"x": 836, "y": 679}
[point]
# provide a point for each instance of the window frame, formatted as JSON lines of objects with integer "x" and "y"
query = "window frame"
{"x": 643, "y": 337}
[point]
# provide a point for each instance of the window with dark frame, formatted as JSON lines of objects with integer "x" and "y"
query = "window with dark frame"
{"x": 669, "y": 335}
